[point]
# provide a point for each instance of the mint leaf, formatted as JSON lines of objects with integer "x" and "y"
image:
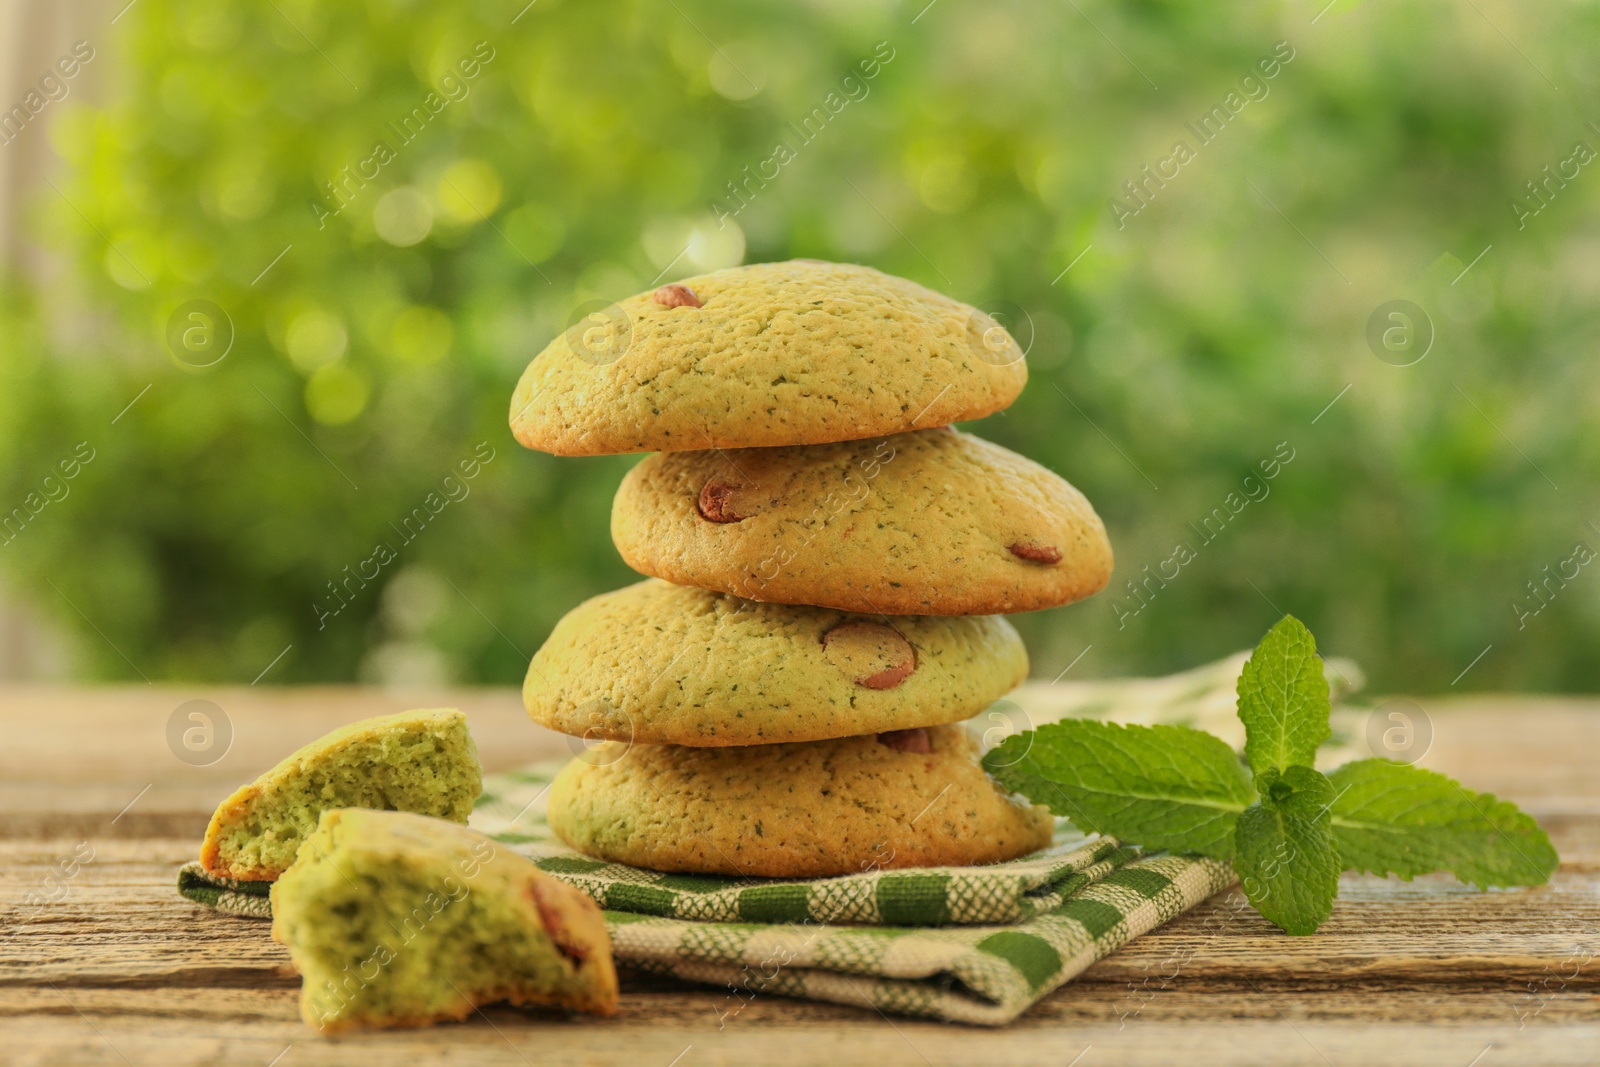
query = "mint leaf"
{"x": 1157, "y": 786}
{"x": 1283, "y": 699}
{"x": 1394, "y": 818}
{"x": 1286, "y": 859}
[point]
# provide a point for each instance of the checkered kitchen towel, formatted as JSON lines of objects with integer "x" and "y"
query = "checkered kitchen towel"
{"x": 967, "y": 944}
{"x": 964, "y": 944}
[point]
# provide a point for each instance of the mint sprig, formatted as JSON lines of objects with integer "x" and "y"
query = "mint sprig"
{"x": 1162, "y": 786}
{"x": 1283, "y": 699}
{"x": 1287, "y": 829}
{"x": 1287, "y": 862}
{"x": 1393, "y": 818}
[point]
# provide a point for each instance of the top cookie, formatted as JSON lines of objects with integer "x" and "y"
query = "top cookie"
{"x": 928, "y": 523}
{"x": 795, "y": 353}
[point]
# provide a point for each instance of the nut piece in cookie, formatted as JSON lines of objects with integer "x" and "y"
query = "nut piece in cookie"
{"x": 907, "y": 740}
{"x": 716, "y": 503}
{"x": 397, "y": 919}
{"x": 419, "y": 761}
{"x": 676, "y": 296}
{"x": 872, "y": 655}
{"x": 1035, "y": 552}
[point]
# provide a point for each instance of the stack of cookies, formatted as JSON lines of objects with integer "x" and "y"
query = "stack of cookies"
{"x": 830, "y": 562}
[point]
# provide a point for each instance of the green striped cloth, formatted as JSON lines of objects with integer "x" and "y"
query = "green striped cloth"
{"x": 963, "y": 944}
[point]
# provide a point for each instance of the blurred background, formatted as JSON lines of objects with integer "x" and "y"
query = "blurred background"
{"x": 272, "y": 271}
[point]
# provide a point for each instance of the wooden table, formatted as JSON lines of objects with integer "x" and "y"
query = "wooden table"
{"x": 115, "y": 968}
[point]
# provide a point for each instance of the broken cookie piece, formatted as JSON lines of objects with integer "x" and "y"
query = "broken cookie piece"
{"x": 419, "y": 761}
{"x": 396, "y": 919}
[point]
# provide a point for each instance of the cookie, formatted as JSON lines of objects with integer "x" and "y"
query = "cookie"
{"x": 397, "y": 919}
{"x": 665, "y": 664}
{"x": 419, "y": 761}
{"x": 915, "y": 798}
{"x": 803, "y": 352}
{"x": 934, "y": 522}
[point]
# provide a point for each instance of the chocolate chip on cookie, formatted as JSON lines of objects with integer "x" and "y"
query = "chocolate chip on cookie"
{"x": 874, "y": 655}
{"x": 915, "y": 740}
{"x": 677, "y": 296}
{"x": 1034, "y": 552}
{"x": 716, "y": 503}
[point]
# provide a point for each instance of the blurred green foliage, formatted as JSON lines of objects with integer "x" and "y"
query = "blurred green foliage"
{"x": 376, "y": 348}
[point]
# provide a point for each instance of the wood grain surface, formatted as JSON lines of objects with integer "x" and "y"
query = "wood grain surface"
{"x": 110, "y": 966}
